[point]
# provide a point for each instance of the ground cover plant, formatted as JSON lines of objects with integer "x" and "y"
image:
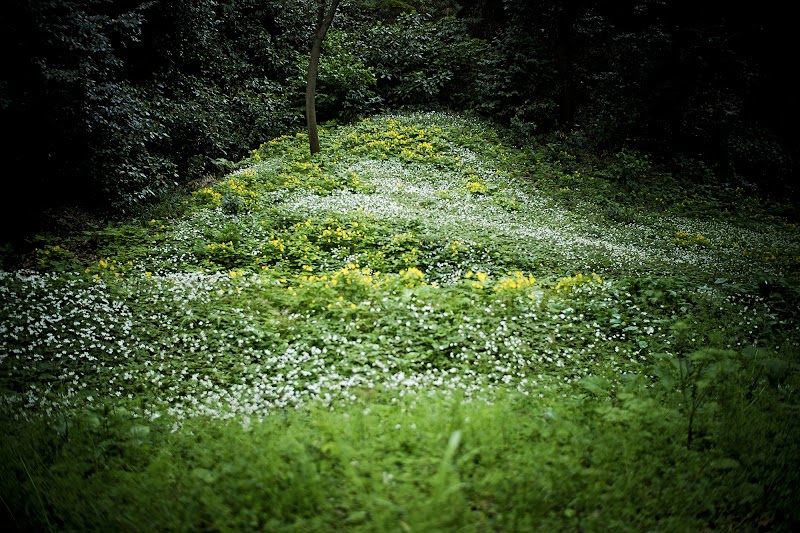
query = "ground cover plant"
{"x": 422, "y": 328}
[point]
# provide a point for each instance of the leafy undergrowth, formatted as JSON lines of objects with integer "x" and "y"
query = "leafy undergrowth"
{"x": 421, "y": 329}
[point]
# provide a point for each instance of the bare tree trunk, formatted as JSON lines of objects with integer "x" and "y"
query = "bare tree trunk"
{"x": 324, "y": 20}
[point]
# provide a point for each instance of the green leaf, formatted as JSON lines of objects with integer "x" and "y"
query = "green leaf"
{"x": 752, "y": 351}
{"x": 725, "y": 463}
{"x": 204, "y": 474}
{"x": 139, "y": 431}
{"x": 615, "y": 414}
{"x": 665, "y": 375}
{"x": 596, "y": 385}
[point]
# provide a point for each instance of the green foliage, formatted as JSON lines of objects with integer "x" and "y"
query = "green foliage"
{"x": 420, "y": 61}
{"x": 392, "y": 138}
{"x": 441, "y": 466}
{"x": 696, "y": 377}
{"x": 148, "y": 87}
{"x": 206, "y": 120}
{"x": 345, "y": 86}
{"x": 371, "y": 339}
{"x": 628, "y": 167}
{"x": 755, "y": 155}
{"x": 118, "y": 103}
{"x": 55, "y": 258}
{"x": 514, "y": 82}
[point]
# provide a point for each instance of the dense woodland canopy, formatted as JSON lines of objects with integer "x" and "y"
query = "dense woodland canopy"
{"x": 106, "y": 104}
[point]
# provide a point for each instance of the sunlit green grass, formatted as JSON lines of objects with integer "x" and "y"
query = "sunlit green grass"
{"x": 422, "y": 329}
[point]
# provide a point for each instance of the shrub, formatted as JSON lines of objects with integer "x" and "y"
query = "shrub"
{"x": 514, "y": 82}
{"x": 420, "y": 61}
{"x": 345, "y": 86}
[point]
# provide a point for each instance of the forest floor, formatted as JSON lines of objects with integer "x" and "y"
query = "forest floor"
{"x": 423, "y": 328}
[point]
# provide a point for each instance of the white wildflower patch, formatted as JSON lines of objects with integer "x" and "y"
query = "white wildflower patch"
{"x": 277, "y": 306}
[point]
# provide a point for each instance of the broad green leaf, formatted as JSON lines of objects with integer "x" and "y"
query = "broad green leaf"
{"x": 596, "y": 385}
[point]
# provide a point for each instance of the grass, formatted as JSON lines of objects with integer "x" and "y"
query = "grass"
{"x": 421, "y": 329}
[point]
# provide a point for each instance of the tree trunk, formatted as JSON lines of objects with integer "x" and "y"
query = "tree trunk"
{"x": 324, "y": 20}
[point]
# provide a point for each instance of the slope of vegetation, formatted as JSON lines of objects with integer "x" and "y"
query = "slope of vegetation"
{"x": 420, "y": 329}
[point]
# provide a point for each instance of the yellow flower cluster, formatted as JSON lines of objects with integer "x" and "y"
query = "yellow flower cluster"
{"x": 208, "y": 195}
{"x": 350, "y": 276}
{"x": 421, "y": 152}
{"x": 336, "y": 235}
{"x": 215, "y": 254}
{"x": 476, "y": 185}
{"x": 280, "y": 145}
{"x": 480, "y": 278}
{"x": 300, "y": 172}
{"x": 278, "y": 243}
{"x": 353, "y": 280}
{"x": 573, "y": 282}
{"x": 304, "y": 243}
{"x": 219, "y": 246}
{"x": 412, "y": 277}
{"x": 233, "y": 186}
{"x": 305, "y": 175}
{"x": 106, "y": 268}
{"x": 403, "y": 245}
{"x": 514, "y": 281}
{"x": 456, "y": 247}
{"x": 767, "y": 253}
{"x": 331, "y": 231}
{"x": 391, "y": 137}
{"x": 54, "y": 256}
{"x": 239, "y": 187}
{"x": 684, "y": 238}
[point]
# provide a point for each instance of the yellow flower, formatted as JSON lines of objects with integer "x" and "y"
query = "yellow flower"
{"x": 412, "y": 273}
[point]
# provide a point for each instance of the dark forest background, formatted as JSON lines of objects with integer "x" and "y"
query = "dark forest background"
{"x": 108, "y": 104}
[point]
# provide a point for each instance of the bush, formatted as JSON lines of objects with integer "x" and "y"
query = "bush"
{"x": 514, "y": 82}
{"x": 204, "y": 119}
{"x": 118, "y": 105}
{"x": 420, "y": 61}
{"x": 345, "y": 86}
